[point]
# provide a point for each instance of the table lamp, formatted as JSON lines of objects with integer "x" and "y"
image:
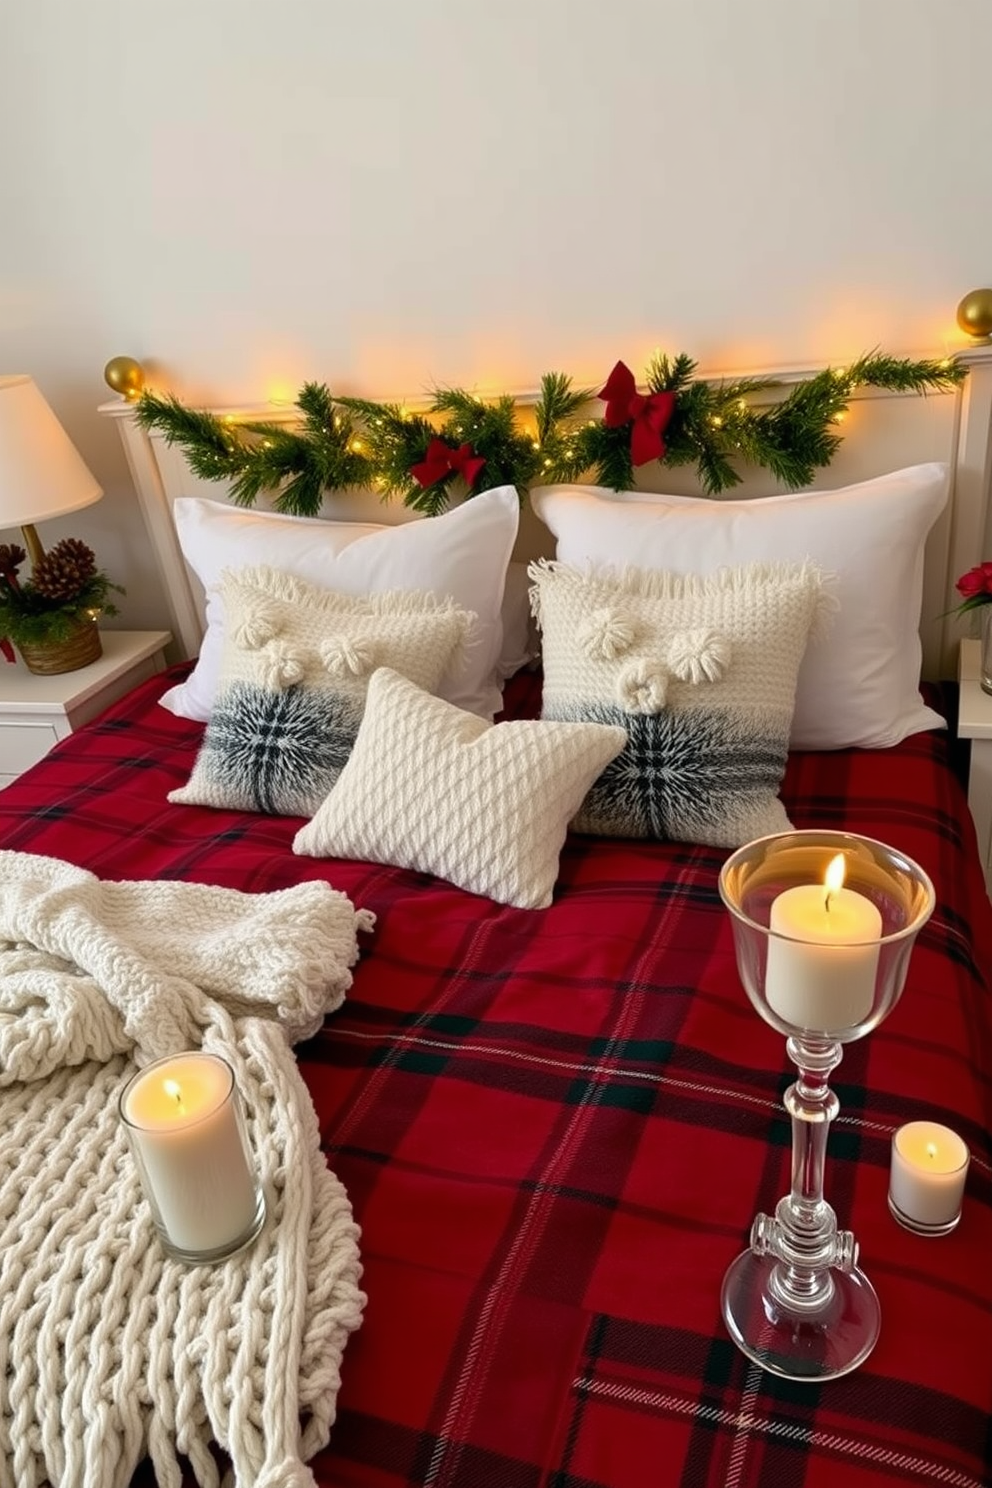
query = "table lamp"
{"x": 42, "y": 475}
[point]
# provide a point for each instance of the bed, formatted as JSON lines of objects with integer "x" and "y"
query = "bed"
{"x": 555, "y": 1126}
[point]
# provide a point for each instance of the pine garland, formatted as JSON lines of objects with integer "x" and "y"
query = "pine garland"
{"x": 347, "y": 443}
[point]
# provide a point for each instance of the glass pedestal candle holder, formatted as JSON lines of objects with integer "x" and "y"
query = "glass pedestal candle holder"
{"x": 824, "y": 925}
{"x": 186, "y": 1129}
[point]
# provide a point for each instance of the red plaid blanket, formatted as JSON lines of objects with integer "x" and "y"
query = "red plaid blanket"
{"x": 556, "y": 1126}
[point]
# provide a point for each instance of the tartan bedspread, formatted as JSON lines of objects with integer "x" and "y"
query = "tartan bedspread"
{"x": 556, "y": 1127}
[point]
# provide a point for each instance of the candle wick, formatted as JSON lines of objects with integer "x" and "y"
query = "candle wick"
{"x": 173, "y": 1088}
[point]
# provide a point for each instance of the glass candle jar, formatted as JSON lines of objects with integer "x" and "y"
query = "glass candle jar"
{"x": 186, "y": 1128}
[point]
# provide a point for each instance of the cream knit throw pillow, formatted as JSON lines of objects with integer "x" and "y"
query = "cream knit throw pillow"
{"x": 701, "y": 672}
{"x": 296, "y": 663}
{"x": 111, "y": 1350}
{"x": 483, "y": 805}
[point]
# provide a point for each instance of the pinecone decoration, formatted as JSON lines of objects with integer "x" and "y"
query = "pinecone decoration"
{"x": 64, "y": 570}
{"x": 11, "y": 558}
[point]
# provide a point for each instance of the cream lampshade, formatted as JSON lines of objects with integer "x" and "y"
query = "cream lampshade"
{"x": 42, "y": 474}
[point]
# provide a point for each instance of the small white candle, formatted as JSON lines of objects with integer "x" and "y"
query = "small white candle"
{"x": 183, "y": 1121}
{"x": 822, "y": 954}
{"x": 929, "y": 1168}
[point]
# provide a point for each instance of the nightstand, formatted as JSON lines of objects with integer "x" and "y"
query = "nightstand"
{"x": 975, "y": 723}
{"x": 35, "y": 712}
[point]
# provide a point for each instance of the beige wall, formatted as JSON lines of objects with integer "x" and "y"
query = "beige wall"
{"x": 382, "y": 195}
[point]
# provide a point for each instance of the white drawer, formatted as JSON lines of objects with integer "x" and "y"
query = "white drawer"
{"x": 23, "y": 745}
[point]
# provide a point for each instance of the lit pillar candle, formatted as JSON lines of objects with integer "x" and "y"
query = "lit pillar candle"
{"x": 822, "y": 977}
{"x": 926, "y": 1182}
{"x": 183, "y": 1120}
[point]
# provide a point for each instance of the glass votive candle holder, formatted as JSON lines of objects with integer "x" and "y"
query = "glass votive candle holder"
{"x": 927, "y": 1177}
{"x": 186, "y": 1129}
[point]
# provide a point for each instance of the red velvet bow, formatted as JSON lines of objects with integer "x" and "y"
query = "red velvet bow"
{"x": 441, "y": 460}
{"x": 7, "y": 648}
{"x": 650, "y": 413}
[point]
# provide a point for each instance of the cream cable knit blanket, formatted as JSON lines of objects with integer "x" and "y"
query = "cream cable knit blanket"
{"x": 109, "y": 1350}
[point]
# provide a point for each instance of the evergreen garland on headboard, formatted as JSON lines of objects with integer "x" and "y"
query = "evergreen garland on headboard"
{"x": 341, "y": 443}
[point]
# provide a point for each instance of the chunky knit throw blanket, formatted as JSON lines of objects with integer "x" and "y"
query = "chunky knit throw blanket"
{"x": 111, "y": 1351}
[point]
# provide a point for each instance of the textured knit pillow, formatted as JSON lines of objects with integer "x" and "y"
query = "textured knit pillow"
{"x": 483, "y": 805}
{"x": 296, "y": 665}
{"x": 859, "y": 684}
{"x": 701, "y": 672}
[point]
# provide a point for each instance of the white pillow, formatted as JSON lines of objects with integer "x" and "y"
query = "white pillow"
{"x": 461, "y": 555}
{"x": 859, "y": 682}
{"x": 521, "y": 643}
{"x": 430, "y": 787}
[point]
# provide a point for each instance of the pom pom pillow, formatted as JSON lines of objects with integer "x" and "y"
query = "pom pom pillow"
{"x": 700, "y": 672}
{"x": 430, "y": 787}
{"x": 296, "y": 666}
{"x": 858, "y": 684}
{"x": 461, "y": 555}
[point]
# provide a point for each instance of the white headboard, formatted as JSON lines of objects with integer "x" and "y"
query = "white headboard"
{"x": 883, "y": 431}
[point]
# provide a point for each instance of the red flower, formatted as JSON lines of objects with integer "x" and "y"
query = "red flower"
{"x": 976, "y": 584}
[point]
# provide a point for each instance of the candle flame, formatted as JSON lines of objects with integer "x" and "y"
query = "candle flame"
{"x": 931, "y": 1149}
{"x": 833, "y": 878}
{"x": 173, "y": 1088}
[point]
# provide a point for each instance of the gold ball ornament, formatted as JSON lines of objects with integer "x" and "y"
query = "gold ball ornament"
{"x": 125, "y": 376}
{"x": 975, "y": 314}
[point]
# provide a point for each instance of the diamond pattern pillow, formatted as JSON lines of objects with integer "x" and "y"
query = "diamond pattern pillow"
{"x": 430, "y": 787}
{"x": 296, "y": 666}
{"x": 700, "y": 672}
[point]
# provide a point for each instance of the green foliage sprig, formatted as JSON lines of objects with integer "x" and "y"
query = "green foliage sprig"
{"x": 345, "y": 443}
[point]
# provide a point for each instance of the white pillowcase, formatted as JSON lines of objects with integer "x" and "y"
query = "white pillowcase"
{"x": 521, "y": 642}
{"x": 859, "y": 682}
{"x": 430, "y": 787}
{"x": 461, "y": 555}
